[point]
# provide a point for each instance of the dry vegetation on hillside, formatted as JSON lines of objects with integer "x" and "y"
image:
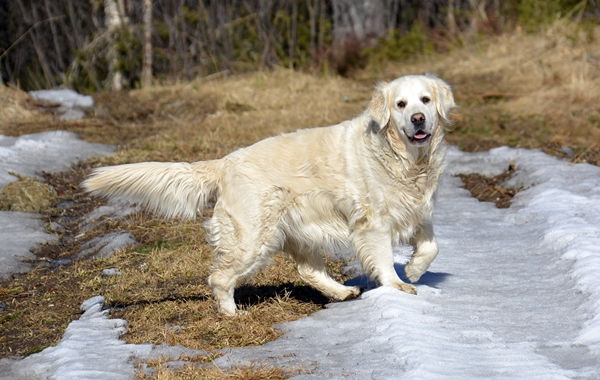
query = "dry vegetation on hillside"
{"x": 522, "y": 90}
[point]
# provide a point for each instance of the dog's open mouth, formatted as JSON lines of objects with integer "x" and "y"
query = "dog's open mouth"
{"x": 420, "y": 137}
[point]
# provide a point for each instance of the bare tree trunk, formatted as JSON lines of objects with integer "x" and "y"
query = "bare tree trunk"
{"x": 358, "y": 20}
{"x": 40, "y": 51}
{"x": 294, "y": 32}
{"x": 425, "y": 12}
{"x": 43, "y": 61}
{"x": 266, "y": 32}
{"x": 392, "y": 7}
{"x": 322, "y": 20}
{"x": 113, "y": 23}
{"x": 224, "y": 18}
{"x": 478, "y": 14}
{"x": 312, "y": 15}
{"x": 450, "y": 18}
{"x": 122, "y": 12}
{"x": 182, "y": 44}
{"x": 212, "y": 36}
{"x": 147, "y": 63}
{"x": 405, "y": 18}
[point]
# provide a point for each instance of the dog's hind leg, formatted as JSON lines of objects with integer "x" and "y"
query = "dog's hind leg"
{"x": 230, "y": 267}
{"x": 312, "y": 270}
{"x": 242, "y": 249}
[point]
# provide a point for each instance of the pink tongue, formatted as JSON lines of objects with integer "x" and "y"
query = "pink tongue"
{"x": 420, "y": 136}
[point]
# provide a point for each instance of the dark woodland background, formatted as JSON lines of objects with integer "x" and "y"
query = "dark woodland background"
{"x": 94, "y": 45}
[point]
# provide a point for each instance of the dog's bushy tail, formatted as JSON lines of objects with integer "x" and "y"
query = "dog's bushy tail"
{"x": 169, "y": 189}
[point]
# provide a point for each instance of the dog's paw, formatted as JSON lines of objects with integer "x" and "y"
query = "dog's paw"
{"x": 413, "y": 273}
{"x": 355, "y": 291}
{"x": 241, "y": 313}
{"x": 235, "y": 313}
{"x": 407, "y": 288}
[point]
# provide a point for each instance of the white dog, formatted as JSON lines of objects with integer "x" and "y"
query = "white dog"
{"x": 367, "y": 183}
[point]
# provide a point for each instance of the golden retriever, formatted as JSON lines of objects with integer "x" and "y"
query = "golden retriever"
{"x": 367, "y": 183}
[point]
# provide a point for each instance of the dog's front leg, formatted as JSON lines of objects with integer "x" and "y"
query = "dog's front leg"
{"x": 374, "y": 250}
{"x": 426, "y": 249}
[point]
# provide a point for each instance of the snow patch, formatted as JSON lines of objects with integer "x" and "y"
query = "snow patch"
{"x": 20, "y": 233}
{"x": 90, "y": 349}
{"x": 514, "y": 293}
{"x": 115, "y": 209}
{"x": 104, "y": 246}
{"x": 31, "y": 155}
{"x": 72, "y": 105}
{"x": 53, "y": 151}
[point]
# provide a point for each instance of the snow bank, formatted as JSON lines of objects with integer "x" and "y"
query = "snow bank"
{"x": 20, "y": 233}
{"x": 563, "y": 200}
{"x": 53, "y": 151}
{"x": 90, "y": 349}
{"x": 31, "y": 155}
{"x": 72, "y": 104}
{"x": 67, "y": 98}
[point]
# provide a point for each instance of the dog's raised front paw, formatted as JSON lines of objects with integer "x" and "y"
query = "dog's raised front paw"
{"x": 413, "y": 273}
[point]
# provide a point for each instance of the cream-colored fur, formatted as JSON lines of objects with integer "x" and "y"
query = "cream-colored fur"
{"x": 367, "y": 183}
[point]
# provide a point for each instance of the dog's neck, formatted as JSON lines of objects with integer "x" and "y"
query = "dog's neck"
{"x": 420, "y": 165}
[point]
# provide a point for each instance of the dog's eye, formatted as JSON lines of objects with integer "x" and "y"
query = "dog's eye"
{"x": 425, "y": 100}
{"x": 401, "y": 104}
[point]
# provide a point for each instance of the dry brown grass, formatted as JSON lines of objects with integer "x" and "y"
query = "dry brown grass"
{"x": 192, "y": 372}
{"x": 523, "y": 90}
{"x": 15, "y": 108}
{"x": 248, "y": 109}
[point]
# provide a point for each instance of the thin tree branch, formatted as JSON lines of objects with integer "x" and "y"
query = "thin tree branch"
{"x": 27, "y": 32}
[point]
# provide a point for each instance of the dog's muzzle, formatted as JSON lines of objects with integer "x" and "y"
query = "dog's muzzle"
{"x": 420, "y": 136}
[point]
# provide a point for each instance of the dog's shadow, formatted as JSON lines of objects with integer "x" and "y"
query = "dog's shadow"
{"x": 250, "y": 295}
{"x": 431, "y": 279}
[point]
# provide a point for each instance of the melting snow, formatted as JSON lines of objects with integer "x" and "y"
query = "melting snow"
{"x": 72, "y": 105}
{"x": 90, "y": 349}
{"x": 53, "y": 151}
{"x": 31, "y": 155}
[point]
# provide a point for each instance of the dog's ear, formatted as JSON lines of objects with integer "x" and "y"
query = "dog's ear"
{"x": 444, "y": 98}
{"x": 378, "y": 107}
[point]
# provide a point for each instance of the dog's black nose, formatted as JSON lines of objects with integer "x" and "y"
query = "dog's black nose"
{"x": 417, "y": 118}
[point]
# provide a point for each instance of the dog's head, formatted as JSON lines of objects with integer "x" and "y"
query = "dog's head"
{"x": 412, "y": 107}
